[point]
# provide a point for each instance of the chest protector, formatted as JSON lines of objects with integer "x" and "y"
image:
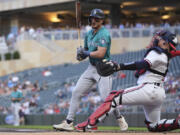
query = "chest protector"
{"x": 158, "y": 50}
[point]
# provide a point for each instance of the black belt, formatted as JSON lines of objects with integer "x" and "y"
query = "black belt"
{"x": 157, "y": 84}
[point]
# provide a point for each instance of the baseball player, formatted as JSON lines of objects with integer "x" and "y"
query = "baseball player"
{"x": 97, "y": 45}
{"x": 16, "y": 97}
{"x": 149, "y": 91}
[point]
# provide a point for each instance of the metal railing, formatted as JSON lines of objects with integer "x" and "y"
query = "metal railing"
{"x": 47, "y": 38}
{"x": 115, "y": 33}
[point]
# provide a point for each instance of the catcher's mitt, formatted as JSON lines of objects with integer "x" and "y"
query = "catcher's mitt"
{"x": 80, "y": 55}
{"x": 106, "y": 68}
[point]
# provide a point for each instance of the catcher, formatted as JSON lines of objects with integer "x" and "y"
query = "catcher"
{"x": 97, "y": 45}
{"x": 149, "y": 91}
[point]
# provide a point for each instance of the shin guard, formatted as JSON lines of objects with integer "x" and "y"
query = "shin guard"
{"x": 164, "y": 125}
{"x": 106, "y": 108}
{"x": 103, "y": 110}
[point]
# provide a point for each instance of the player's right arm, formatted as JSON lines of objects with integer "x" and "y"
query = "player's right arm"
{"x": 101, "y": 51}
{"x": 101, "y": 48}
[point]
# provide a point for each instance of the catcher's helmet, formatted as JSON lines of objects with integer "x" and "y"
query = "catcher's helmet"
{"x": 96, "y": 13}
{"x": 168, "y": 37}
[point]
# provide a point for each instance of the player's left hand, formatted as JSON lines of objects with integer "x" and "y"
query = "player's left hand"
{"x": 106, "y": 67}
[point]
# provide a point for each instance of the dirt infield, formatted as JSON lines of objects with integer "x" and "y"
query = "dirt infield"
{"x": 83, "y": 133}
{"x": 16, "y": 131}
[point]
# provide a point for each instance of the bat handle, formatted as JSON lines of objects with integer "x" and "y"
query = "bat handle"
{"x": 79, "y": 36}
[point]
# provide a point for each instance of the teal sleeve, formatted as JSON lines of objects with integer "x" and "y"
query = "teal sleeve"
{"x": 104, "y": 40}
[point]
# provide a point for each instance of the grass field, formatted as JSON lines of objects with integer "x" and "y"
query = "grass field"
{"x": 49, "y": 127}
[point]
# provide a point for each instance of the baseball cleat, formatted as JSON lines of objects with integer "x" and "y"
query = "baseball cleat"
{"x": 64, "y": 126}
{"x": 122, "y": 123}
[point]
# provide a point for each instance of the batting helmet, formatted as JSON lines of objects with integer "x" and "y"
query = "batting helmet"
{"x": 96, "y": 13}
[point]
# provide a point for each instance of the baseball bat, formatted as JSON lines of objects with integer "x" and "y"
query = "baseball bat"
{"x": 78, "y": 19}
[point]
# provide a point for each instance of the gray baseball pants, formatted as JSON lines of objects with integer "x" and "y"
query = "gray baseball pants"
{"x": 84, "y": 85}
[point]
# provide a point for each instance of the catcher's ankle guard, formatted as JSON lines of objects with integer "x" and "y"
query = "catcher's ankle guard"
{"x": 164, "y": 125}
{"x": 81, "y": 126}
{"x": 84, "y": 126}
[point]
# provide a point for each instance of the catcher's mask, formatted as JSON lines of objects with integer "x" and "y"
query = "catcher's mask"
{"x": 169, "y": 37}
{"x": 97, "y": 14}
